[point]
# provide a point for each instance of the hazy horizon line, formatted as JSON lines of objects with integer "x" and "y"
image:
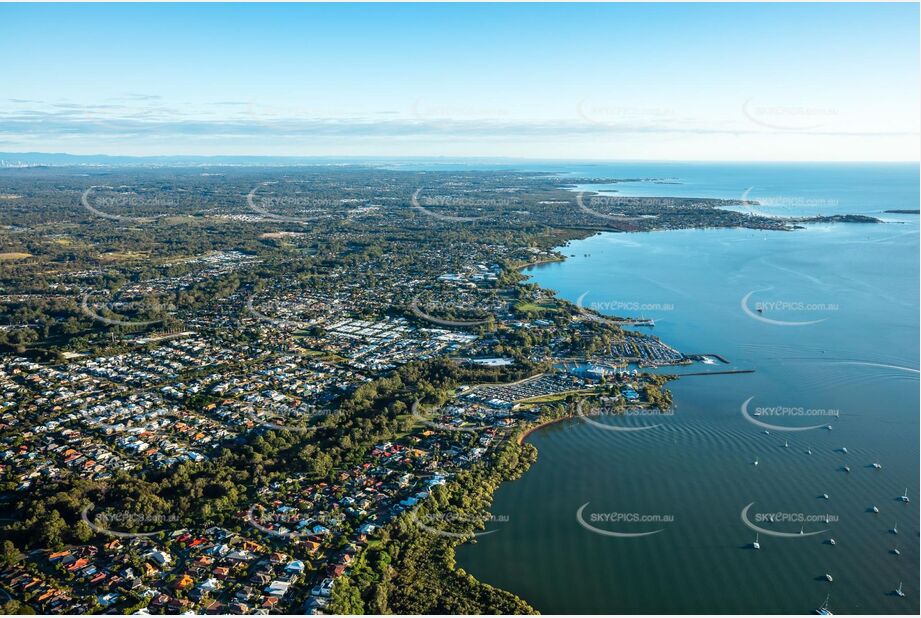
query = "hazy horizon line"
{"x": 444, "y": 158}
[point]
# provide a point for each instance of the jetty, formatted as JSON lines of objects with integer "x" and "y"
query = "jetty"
{"x": 715, "y": 373}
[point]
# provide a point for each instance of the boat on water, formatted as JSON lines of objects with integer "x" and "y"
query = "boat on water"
{"x": 823, "y": 610}
{"x": 829, "y": 578}
{"x": 898, "y": 591}
{"x": 825, "y": 496}
{"x": 847, "y": 468}
{"x": 904, "y": 496}
{"x": 895, "y": 550}
{"x": 843, "y": 449}
{"x": 756, "y": 544}
{"x": 895, "y": 528}
{"x": 832, "y": 542}
{"x": 874, "y": 508}
{"x": 755, "y": 463}
{"x": 877, "y": 465}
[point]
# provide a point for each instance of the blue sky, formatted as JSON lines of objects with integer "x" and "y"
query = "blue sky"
{"x": 594, "y": 81}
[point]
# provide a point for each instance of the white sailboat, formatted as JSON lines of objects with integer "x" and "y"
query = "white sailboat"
{"x": 756, "y": 544}
{"x": 904, "y": 496}
{"x": 823, "y": 610}
{"x": 898, "y": 591}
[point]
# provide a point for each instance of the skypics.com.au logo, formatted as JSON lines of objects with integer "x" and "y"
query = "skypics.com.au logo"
{"x": 621, "y": 524}
{"x": 112, "y": 308}
{"x": 784, "y": 307}
{"x": 287, "y": 419}
{"x": 758, "y": 521}
{"x": 107, "y": 522}
{"x": 420, "y": 414}
{"x": 788, "y": 118}
{"x": 589, "y": 413}
{"x": 596, "y": 201}
{"x": 453, "y": 202}
{"x": 760, "y": 415}
{"x": 455, "y": 525}
{"x": 596, "y": 310}
{"x": 267, "y": 205}
{"x": 419, "y": 313}
{"x": 122, "y": 198}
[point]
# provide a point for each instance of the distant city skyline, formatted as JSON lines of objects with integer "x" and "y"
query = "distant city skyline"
{"x": 772, "y": 82}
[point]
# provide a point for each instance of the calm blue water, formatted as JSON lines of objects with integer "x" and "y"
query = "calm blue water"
{"x": 836, "y": 343}
{"x": 782, "y": 189}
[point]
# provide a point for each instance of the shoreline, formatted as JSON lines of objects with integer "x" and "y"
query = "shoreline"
{"x": 520, "y": 439}
{"x": 549, "y": 260}
{"x": 525, "y": 433}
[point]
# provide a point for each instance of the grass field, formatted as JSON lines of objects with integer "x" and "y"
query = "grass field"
{"x": 535, "y": 309}
{"x": 13, "y": 255}
{"x": 122, "y": 256}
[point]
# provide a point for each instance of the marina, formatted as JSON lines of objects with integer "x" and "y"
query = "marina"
{"x": 707, "y": 441}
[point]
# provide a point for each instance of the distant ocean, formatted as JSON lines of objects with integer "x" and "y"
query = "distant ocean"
{"x": 835, "y": 343}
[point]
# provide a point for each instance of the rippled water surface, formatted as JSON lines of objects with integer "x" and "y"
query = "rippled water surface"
{"x": 835, "y": 342}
